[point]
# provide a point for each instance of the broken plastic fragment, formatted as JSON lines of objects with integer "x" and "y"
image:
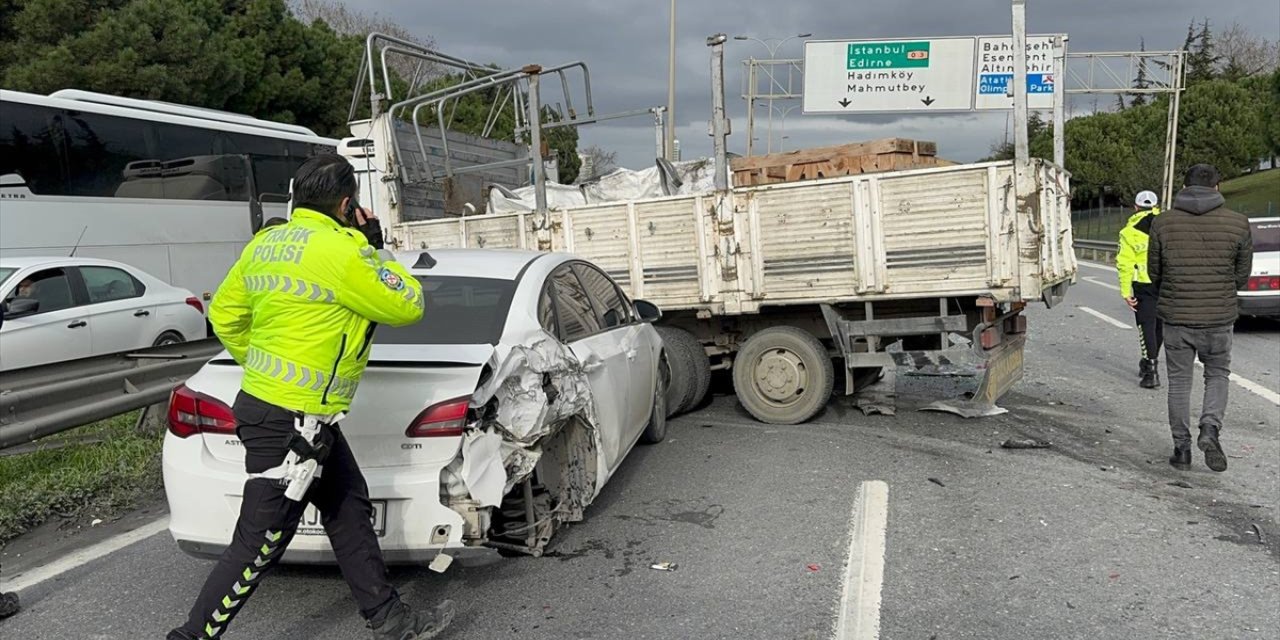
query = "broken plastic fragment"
{"x": 664, "y": 566}
{"x": 482, "y": 468}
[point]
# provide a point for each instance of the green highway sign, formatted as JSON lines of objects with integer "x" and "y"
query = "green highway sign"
{"x": 888, "y": 55}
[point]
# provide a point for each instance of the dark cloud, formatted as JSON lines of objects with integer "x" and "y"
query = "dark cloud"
{"x": 625, "y": 44}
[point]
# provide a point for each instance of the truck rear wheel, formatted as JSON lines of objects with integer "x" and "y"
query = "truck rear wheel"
{"x": 783, "y": 375}
{"x": 682, "y": 386}
{"x": 699, "y": 364}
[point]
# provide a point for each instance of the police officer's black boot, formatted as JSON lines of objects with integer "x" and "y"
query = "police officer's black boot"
{"x": 403, "y": 623}
{"x": 1181, "y": 458}
{"x": 1150, "y": 374}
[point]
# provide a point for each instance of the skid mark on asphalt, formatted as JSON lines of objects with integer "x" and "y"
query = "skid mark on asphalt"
{"x": 859, "y": 617}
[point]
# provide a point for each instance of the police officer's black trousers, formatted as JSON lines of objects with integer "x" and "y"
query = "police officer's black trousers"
{"x": 1150, "y": 326}
{"x": 268, "y": 521}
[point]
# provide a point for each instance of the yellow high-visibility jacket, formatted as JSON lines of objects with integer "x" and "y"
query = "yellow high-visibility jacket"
{"x": 1131, "y": 254}
{"x": 299, "y": 307}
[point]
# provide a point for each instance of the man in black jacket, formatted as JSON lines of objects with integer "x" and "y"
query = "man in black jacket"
{"x": 1201, "y": 253}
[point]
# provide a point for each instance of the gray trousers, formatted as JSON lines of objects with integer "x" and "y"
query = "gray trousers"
{"x": 1181, "y": 347}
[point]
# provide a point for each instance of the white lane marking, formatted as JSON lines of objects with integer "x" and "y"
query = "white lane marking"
{"x": 1250, "y": 385}
{"x": 864, "y": 571}
{"x": 1095, "y": 265}
{"x": 1104, "y": 317}
{"x": 36, "y": 575}
{"x": 1101, "y": 283}
{"x": 1244, "y": 382}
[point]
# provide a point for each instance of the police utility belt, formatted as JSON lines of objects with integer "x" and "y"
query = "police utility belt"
{"x": 306, "y": 451}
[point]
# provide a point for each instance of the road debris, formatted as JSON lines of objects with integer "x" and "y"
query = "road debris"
{"x": 441, "y": 563}
{"x": 1257, "y": 531}
{"x": 1181, "y": 484}
{"x": 664, "y": 566}
{"x": 814, "y": 567}
{"x": 1114, "y": 576}
{"x": 1026, "y": 444}
{"x": 937, "y": 482}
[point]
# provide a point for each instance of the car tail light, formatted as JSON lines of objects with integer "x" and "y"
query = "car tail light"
{"x": 191, "y": 412}
{"x": 1263, "y": 283}
{"x": 441, "y": 420}
{"x": 195, "y": 303}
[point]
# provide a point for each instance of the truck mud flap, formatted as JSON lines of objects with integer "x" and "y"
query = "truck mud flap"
{"x": 1001, "y": 369}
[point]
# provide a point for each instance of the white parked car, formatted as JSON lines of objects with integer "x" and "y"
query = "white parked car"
{"x": 498, "y": 417}
{"x": 1261, "y": 297}
{"x": 60, "y": 308}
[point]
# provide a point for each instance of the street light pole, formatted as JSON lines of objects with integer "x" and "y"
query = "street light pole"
{"x": 772, "y": 45}
{"x": 671, "y": 88}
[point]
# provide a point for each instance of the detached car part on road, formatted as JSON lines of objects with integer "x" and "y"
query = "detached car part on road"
{"x": 493, "y": 421}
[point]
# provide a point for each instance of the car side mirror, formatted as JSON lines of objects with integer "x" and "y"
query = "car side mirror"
{"x": 19, "y": 307}
{"x": 648, "y": 311}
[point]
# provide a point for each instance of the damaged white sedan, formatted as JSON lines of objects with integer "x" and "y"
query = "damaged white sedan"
{"x": 493, "y": 421}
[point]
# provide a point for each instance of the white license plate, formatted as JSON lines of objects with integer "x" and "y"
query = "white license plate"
{"x": 311, "y": 525}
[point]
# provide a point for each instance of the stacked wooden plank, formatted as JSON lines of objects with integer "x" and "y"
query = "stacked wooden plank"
{"x": 889, "y": 154}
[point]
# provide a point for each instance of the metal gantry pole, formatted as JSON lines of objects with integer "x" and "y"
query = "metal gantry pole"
{"x": 1059, "y": 100}
{"x": 660, "y": 127}
{"x": 1021, "y": 145}
{"x": 1171, "y": 131}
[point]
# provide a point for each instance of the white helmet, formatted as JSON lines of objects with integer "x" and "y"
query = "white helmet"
{"x": 1146, "y": 199}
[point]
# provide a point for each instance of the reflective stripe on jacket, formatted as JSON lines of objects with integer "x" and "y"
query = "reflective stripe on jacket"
{"x": 299, "y": 307}
{"x": 1131, "y": 251}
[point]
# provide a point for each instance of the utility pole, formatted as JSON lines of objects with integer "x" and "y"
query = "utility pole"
{"x": 1059, "y": 100}
{"x": 671, "y": 88}
{"x": 719, "y": 124}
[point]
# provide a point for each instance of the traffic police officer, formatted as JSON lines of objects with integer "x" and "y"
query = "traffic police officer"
{"x": 297, "y": 312}
{"x": 1136, "y": 288}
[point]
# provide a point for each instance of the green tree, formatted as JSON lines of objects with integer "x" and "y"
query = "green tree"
{"x": 1202, "y": 56}
{"x": 1142, "y": 80}
{"x": 247, "y": 56}
{"x": 1220, "y": 125}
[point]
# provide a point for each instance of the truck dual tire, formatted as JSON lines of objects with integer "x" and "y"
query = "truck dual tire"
{"x": 783, "y": 375}
{"x": 690, "y": 370}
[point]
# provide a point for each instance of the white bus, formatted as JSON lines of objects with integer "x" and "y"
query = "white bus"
{"x": 173, "y": 190}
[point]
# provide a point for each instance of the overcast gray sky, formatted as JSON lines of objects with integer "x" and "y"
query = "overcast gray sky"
{"x": 625, "y": 44}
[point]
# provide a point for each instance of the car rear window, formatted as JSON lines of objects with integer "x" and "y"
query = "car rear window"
{"x": 1266, "y": 236}
{"x": 458, "y": 311}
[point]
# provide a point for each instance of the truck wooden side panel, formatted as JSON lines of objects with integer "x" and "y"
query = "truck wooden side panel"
{"x": 940, "y": 232}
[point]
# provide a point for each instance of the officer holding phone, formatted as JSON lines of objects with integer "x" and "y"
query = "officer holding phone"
{"x": 297, "y": 312}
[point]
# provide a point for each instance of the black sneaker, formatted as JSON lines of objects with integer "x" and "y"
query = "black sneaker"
{"x": 1214, "y": 458}
{"x": 403, "y": 623}
{"x": 1181, "y": 458}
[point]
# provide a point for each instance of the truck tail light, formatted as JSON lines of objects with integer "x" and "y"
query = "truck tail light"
{"x": 192, "y": 412}
{"x": 195, "y": 303}
{"x": 441, "y": 420}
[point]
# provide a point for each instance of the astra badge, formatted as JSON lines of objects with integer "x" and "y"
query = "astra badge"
{"x": 390, "y": 279}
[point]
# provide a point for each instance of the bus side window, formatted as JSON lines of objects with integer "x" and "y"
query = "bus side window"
{"x": 31, "y": 147}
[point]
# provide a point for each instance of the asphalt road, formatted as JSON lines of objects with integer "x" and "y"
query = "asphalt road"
{"x": 1089, "y": 538}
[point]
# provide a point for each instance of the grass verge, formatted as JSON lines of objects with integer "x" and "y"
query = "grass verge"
{"x": 110, "y": 473}
{"x": 1254, "y": 194}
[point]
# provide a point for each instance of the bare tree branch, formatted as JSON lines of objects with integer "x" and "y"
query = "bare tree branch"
{"x": 350, "y": 22}
{"x": 1244, "y": 54}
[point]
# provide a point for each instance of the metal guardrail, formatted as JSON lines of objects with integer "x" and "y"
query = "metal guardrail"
{"x": 44, "y": 400}
{"x": 1098, "y": 250}
{"x": 1095, "y": 245}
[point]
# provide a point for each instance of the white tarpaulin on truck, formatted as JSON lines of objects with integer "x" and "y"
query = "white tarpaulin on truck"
{"x": 664, "y": 179}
